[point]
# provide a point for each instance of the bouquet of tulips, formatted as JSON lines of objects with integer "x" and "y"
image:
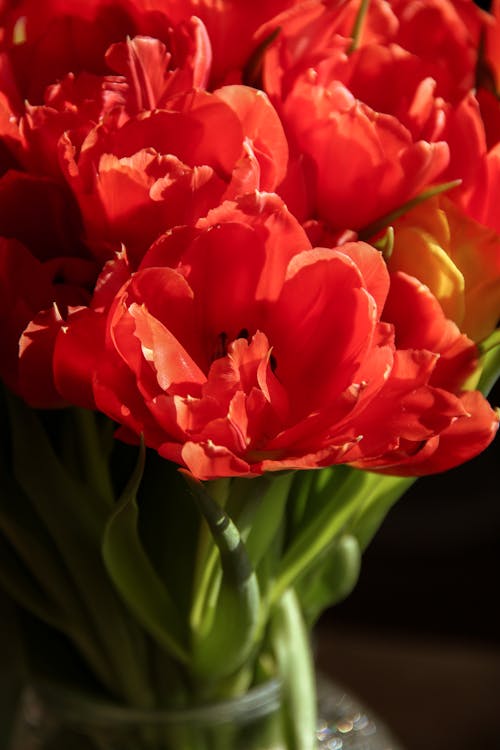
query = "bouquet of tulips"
{"x": 250, "y": 281}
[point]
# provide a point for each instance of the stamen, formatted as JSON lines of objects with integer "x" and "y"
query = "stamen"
{"x": 223, "y": 341}
{"x": 221, "y": 346}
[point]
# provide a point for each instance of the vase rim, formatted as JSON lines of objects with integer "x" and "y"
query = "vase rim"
{"x": 76, "y": 707}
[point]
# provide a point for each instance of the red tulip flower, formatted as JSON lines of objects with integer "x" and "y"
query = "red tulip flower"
{"x": 236, "y": 348}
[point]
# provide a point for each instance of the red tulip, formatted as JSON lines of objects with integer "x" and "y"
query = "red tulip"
{"x": 383, "y": 116}
{"x": 169, "y": 166}
{"x": 365, "y": 122}
{"x": 236, "y": 348}
{"x": 34, "y": 297}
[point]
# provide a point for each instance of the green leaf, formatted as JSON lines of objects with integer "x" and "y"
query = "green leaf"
{"x": 33, "y": 544}
{"x": 490, "y": 363}
{"x": 290, "y": 642}
{"x": 44, "y": 588}
{"x": 341, "y": 513}
{"x": 332, "y": 579}
{"x": 336, "y": 506}
{"x": 74, "y": 517}
{"x": 263, "y": 514}
{"x": 380, "y": 494}
{"x": 167, "y": 519}
{"x": 490, "y": 342}
{"x": 17, "y": 581}
{"x": 55, "y": 591}
{"x": 298, "y": 499}
{"x": 134, "y": 576}
{"x": 234, "y": 615}
{"x": 92, "y": 453}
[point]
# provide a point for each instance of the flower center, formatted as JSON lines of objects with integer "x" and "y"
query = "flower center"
{"x": 223, "y": 341}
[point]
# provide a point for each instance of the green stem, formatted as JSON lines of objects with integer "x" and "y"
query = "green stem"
{"x": 207, "y": 585}
{"x": 234, "y": 619}
{"x": 299, "y": 494}
{"x": 358, "y": 25}
{"x": 490, "y": 342}
{"x": 290, "y": 640}
{"x": 207, "y": 575}
{"x": 490, "y": 371}
{"x": 317, "y": 536}
{"x": 372, "y": 229}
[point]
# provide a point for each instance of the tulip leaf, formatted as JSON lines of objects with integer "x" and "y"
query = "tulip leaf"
{"x": 36, "y": 550}
{"x": 93, "y": 453}
{"x": 342, "y": 500}
{"x": 310, "y": 491}
{"x": 381, "y": 492}
{"x": 18, "y": 582}
{"x": 326, "y": 486}
{"x": 135, "y": 577}
{"x": 490, "y": 342}
{"x": 32, "y": 543}
{"x": 166, "y": 509}
{"x": 319, "y": 531}
{"x": 332, "y": 579}
{"x": 491, "y": 362}
{"x": 74, "y": 518}
{"x": 34, "y": 546}
{"x": 290, "y": 642}
{"x": 234, "y": 613}
{"x": 262, "y": 515}
{"x": 299, "y": 495}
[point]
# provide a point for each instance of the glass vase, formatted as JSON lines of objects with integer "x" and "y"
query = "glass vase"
{"x": 50, "y": 718}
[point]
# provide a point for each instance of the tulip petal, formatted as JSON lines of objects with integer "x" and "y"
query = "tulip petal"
{"x": 420, "y": 324}
{"x": 324, "y": 306}
{"x": 209, "y": 461}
